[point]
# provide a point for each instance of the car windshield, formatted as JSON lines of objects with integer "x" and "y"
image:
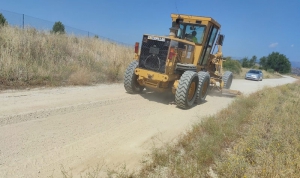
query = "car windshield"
{"x": 253, "y": 71}
{"x": 192, "y": 32}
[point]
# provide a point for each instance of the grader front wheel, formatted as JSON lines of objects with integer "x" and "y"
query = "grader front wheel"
{"x": 187, "y": 88}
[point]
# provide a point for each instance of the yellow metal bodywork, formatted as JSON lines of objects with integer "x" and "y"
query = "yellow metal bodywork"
{"x": 156, "y": 81}
{"x": 193, "y": 19}
{"x": 169, "y": 80}
{"x": 208, "y": 22}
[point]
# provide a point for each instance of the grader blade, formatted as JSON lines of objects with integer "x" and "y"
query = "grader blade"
{"x": 230, "y": 92}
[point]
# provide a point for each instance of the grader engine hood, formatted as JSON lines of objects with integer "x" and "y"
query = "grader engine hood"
{"x": 154, "y": 53}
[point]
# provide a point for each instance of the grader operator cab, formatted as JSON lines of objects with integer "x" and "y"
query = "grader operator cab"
{"x": 181, "y": 62}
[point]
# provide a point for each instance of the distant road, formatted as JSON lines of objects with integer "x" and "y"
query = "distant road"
{"x": 80, "y": 127}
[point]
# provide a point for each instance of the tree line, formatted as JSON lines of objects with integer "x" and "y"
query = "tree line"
{"x": 58, "y": 27}
{"x": 273, "y": 62}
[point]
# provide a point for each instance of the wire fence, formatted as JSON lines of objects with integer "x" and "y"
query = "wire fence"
{"x": 25, "y": 21}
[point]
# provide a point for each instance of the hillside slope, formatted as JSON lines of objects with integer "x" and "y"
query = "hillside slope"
{"x": 33, "y": 58}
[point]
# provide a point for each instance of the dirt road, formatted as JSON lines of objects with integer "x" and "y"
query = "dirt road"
{"x": 43, "y": 130}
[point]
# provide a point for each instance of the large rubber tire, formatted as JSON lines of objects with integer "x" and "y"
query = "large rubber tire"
{"x": 187, "y": 88}
{"x": 131, "y": 84}
{"x": 227, "y": 79}
{"x": 204, "y": 81}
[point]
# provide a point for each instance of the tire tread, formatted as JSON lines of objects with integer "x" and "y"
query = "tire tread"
{"x": 182, "y": 89}
{"x": 226, "y": 76}
{"x": 203, "y": 76}
{"x": 129, "y": 77}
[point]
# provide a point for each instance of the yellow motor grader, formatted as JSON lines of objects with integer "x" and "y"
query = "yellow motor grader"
{"x": 181, "y": 62}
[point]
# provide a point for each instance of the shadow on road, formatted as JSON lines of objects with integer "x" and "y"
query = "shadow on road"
{"x": 164, "y": 98}
{"x": 168, "y": 98}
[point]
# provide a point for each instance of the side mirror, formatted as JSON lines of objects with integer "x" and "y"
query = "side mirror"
{"x": 220, "y": 39}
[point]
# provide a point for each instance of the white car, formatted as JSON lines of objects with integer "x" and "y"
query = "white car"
{"x": 254, "y": 74}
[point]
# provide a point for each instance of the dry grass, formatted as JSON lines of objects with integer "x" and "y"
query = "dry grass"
{"x": 271, "y": 145}
{"x": 197, "y": 150}
{"x": 256, "y": 136}
{"x": 32, "y": 58}
{"x": 294, "y": 76}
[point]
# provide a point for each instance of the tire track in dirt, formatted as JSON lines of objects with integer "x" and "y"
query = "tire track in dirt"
{"x": 42, "y": 114}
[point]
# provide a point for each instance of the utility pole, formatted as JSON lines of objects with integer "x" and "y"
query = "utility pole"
{"x": 23, "y": 21}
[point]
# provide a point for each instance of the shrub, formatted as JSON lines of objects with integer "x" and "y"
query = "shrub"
{"x": 58, "y": 27}
{"x": 232, "y": 65}
{"x": 2, "y": 20}
{"x": 270, "y": 70}
{"x": 249, "y": 63}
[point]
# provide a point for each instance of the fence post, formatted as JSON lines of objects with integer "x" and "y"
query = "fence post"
{"x": 23, "y": 21}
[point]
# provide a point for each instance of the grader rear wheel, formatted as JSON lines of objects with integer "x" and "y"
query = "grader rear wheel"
{"x": 187, "y": 88}
{"x": 204, "y": 81}
{"x": 130, "y": 79}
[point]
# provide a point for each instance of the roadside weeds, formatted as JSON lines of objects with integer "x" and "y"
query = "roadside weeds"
{"x": 256, "y": 136}
{"x": 31, "y": 58}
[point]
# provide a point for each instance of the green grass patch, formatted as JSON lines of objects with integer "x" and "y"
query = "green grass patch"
{"x": 271, "y": 145}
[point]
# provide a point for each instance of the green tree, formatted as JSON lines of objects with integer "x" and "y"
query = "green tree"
{"x": 232, "y": 65}
{"x": 58, "y": 27}
{"x": 263, "y": 62}
{"x": 252, "y": 61}
{"x": 276, "y": 61}
{"x": 245, "y": 62}
{"x": 2, "y": 20}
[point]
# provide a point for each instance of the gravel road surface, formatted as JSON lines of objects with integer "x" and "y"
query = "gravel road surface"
{"x": 44, "y": 131}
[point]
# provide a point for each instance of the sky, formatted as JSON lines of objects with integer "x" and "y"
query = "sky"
{"x": 251, "y": 27}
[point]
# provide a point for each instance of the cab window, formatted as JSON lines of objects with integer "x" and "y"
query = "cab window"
{"x": 192, "y": 32}
{"x": 208, "y": 46}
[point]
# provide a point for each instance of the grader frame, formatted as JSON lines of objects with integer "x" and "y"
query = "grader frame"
{"x": 181, "y": 62}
